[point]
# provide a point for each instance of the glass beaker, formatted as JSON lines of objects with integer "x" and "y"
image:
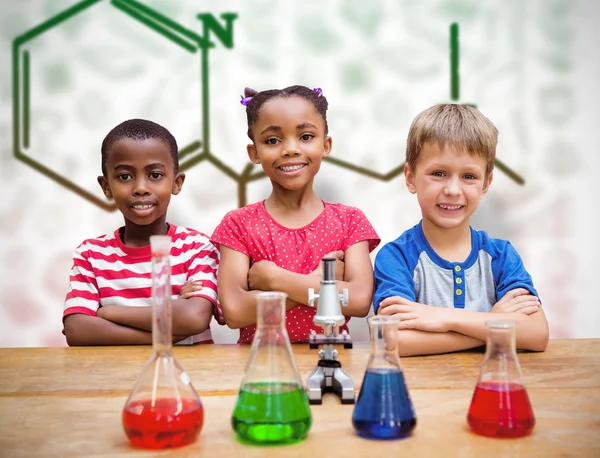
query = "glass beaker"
{"x": 384, "y": 409}
{"x": 163, "y": 410}
{"x": 272, "y": 406}
{"x": 500, "y": 405}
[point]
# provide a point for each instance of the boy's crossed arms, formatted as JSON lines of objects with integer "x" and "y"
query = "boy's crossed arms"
{"x": 125, "y": 325}
{"x": 427, "y": 329}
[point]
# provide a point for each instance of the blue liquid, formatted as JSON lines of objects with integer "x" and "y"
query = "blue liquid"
{"x": 383, "y": 409}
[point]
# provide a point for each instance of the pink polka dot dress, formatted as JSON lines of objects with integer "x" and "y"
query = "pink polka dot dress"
{"x": 253, "y": 232}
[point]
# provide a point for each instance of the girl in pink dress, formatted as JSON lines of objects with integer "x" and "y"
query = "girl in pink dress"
{"x": 277, "y": 244}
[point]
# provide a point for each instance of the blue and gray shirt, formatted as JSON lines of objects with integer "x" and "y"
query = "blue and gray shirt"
{"x": 408, "y": 267}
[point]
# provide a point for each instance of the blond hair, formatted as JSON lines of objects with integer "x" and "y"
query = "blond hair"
{"x": 459, "y": 126}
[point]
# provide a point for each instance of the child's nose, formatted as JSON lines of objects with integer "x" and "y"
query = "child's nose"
{"x": 452, "y": 187}
{"x": 290, "y": 149}
{"x": 141, "y": 187}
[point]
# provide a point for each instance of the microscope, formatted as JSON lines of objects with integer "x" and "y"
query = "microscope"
{"x": 328, "y": 375}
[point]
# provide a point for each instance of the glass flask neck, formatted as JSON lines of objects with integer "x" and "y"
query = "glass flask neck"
{"x": 384, "y": 342}
{"x": 271, "y": 362}
{"x": 162, "y": 343}
{"x": 270, "y": 310}
{"x": 501, "y": 337}
{"x": 500, "y": 362}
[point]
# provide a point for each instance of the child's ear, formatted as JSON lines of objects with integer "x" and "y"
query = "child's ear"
{"x": 178, "y": 183}
{"x": 486, "y": 185}
{"x": 252, "y": 153}
{"x": 327, "y": 144}
{"x": 410, "y": 179}
{"x": 103, "y": 182}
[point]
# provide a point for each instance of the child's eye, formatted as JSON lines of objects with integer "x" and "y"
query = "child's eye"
{"x": 124, "y": 177}
{"x": 470, "y": 176}
{"x": 271, "y": 141}
{"x": 438, "y": 174}
{"x": 155, "y": 175}
{"x": 306, "y": 137}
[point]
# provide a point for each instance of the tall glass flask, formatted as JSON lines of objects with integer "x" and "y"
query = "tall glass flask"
{"x": 500, "y": 406}
{"x": 163, "y": 410}
{"x": 272, "y": 406}
{"x": 384, "y": 409}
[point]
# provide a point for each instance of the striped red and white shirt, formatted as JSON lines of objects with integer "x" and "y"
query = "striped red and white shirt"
{"x": 106, "y": 272}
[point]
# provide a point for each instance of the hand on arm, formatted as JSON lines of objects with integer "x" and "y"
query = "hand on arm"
{"x": 532, "y": 327}
{"x": 189, "y": 288}
{"x": 357, "y": 278}
{"x": 422, "y": 329}
{"x": 268, "y": 276}
{"x": 523, "y": 308}
{"x": 517, "y": 300}
{"x": 262, "y": 274}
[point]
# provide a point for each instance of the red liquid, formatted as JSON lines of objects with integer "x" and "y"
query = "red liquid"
{"x": 500, "y": 410}
{"x": 170, "y": 423}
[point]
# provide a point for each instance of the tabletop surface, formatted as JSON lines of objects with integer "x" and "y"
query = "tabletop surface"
{"x": 68, "y": 401}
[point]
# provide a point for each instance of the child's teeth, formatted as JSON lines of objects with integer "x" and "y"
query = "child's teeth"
{"x": 291, "y": 168}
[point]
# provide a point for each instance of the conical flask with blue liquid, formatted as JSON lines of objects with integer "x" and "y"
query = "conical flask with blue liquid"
{"x": 272, "y": 405}
{"x": 384, "y": 409}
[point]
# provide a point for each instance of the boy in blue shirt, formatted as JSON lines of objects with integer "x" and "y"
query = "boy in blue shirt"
{"x": 442, "y": 278}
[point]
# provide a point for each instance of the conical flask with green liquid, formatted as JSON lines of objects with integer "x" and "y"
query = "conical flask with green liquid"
{"x": 272, "y": 405}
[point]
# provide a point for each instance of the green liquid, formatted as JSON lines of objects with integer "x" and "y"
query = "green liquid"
{"x": 271, "y": 413}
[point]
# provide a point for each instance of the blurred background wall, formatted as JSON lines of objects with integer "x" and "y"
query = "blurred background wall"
{"x": 70, "y": 71}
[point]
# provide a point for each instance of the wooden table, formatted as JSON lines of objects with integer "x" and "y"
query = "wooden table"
{"x": 67, "y": 402}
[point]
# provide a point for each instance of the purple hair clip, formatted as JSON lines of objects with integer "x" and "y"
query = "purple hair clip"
{"x": 247, "y": 97}
{"x": 318, "y": 91}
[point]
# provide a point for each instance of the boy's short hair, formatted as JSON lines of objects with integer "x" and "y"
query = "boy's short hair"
{"x": 140, "y": 129}
{"x": 460, "y": 126}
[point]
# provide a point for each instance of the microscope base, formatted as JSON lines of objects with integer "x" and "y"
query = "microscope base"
{"x": 329, "y": 377}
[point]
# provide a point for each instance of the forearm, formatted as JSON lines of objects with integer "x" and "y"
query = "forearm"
{"x": 189, "y": 316}
{"x": 531, "y": 330}
{"x": 296, "y": 286}
{"x": 239, "y": 307}
{"x": 91, "y": 330}
{"x": 412, "y": 342}
{"x": 135, "y": 317}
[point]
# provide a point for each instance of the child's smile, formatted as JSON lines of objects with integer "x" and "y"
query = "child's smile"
{"x": 292, "y": 168}
{"x": 143, "y": 208}
{"x": 450, "y": 208}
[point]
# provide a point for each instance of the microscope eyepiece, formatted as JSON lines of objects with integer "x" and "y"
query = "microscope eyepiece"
{"x": 328, "y": 269}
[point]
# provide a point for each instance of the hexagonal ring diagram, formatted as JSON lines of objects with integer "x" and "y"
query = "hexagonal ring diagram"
{"x": 156, "y": 36}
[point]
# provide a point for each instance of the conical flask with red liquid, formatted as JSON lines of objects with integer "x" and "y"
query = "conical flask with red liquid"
{"x": 163, "y": 410}
{"x": 500, "y": 406}
{"x": 384, "y": 409}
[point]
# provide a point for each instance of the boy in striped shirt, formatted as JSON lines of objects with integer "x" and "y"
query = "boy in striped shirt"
{"x": 109, "y": 297}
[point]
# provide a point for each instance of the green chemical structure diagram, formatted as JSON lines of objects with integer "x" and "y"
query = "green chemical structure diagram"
{"x": 173, "y": 37}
